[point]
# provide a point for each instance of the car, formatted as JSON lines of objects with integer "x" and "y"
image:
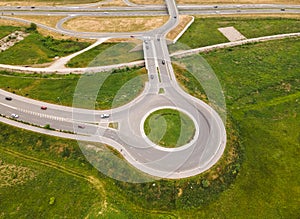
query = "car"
{"x": 8, "y": 98}
{"x": 81, "y": 126}
{"x": 282, "y": 9}
{"x": 216, "y": 6}
{"x": 105, "y": 12}
{"x": 43, "y": 107}
{"x": 151, "y": 76}
{"x": 103, "y": 116}
{"x": 163, "y": 62}
{"x": 32, "y": 7}
{"x": 132, "y": 36}
{"x": 175, "y": 17}
{"x": 15, "y": 116}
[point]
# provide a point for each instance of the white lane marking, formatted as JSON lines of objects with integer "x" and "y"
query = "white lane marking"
{"x": 12, "y": 107}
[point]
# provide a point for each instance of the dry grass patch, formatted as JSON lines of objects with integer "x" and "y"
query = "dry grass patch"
{"x": 44, "y": 2}
{"x": 183, "y": 21}
{"x": 11, "y": 175}
{"x": 115, "y": 24}
{"x": 50, "y": 21}
{"x": 4, "y": 22}
{"x": 237, "y": 2}
{"x": 146, "y": 2}
{"x": 114, "y": 3}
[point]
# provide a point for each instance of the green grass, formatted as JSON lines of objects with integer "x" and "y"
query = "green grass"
{"x": 119, "y": 88}
{"x": 6, "y": 30}
{"x": 84, "y": 59}
{"x": 107, "y": 54}
{"x": 261, "y": 85}
{"x": 169, "y": 128}
{"x": 204, "y": 31}
{"x": 256, "y": 178}
{"x": 73, "y": 195}
{"x": 38, "y": 49}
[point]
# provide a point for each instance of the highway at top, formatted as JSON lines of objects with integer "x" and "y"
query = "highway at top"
{"x": 200, "y": 154}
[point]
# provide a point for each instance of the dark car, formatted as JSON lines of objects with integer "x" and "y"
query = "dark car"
{"x": 8, "y": 98}
{"x": 43, "y": 107}
{"x": 163, "y": 62}
{"x": 103, "y": 116}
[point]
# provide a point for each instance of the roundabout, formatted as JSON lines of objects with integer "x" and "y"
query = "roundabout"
{"x": 195, "y": 148}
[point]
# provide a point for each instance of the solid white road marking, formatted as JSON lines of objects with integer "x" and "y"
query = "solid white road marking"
{"x": 8, "y": 106}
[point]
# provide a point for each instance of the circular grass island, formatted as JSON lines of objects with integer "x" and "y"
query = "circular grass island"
{"x": 169, "y": 128}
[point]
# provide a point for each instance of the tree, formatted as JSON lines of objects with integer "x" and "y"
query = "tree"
{"x": 32, "y": 27}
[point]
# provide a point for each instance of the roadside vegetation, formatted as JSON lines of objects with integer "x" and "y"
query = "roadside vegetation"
{"x": 6, "y": 30}
{"x": 86, "y": 59}
{"x": 256, "y": 177}
{"x": 38, "y": 49}
{"x": 108, "y": 54}
{"x": 262, "y": 89}
{"x": 59, "y": 89}
{"x": 201, "y": 31}
{"x": 169, "y": 128}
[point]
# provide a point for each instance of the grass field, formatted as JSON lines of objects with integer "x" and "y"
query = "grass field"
{"x": 262, "y": 90}
{"x": 204, "y": 31}
{"x": 261, "y": 84}
{"x": 38, "y": 49}
{"x": 169, "y": 128}
{"x": 32, "y": 198}
{"x": 60, "y": 89}
{"x": 108, "y": 54}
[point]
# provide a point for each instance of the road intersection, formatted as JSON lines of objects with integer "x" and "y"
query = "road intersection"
{"x": 201, "y": 153}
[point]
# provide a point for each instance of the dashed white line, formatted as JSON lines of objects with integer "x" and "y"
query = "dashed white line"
{"x": 43, "y": 115}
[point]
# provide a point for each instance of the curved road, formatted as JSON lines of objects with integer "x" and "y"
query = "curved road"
{"x": 201, "y": 153}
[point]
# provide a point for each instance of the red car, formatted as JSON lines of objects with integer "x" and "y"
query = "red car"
{"x": 43, "y": 107}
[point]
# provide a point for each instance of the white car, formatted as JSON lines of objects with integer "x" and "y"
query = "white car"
{"x": 15, "y": 116}
{"x": 103, "y": 116}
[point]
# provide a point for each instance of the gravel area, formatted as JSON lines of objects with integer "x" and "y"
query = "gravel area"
{"x": 11, "y": 39}
{"x": 232, "y": 34}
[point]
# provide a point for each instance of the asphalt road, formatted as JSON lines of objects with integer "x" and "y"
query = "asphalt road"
{"x": 209, "y": 141}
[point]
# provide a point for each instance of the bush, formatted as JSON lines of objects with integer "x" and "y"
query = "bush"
{"x": 31, "y": 28}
